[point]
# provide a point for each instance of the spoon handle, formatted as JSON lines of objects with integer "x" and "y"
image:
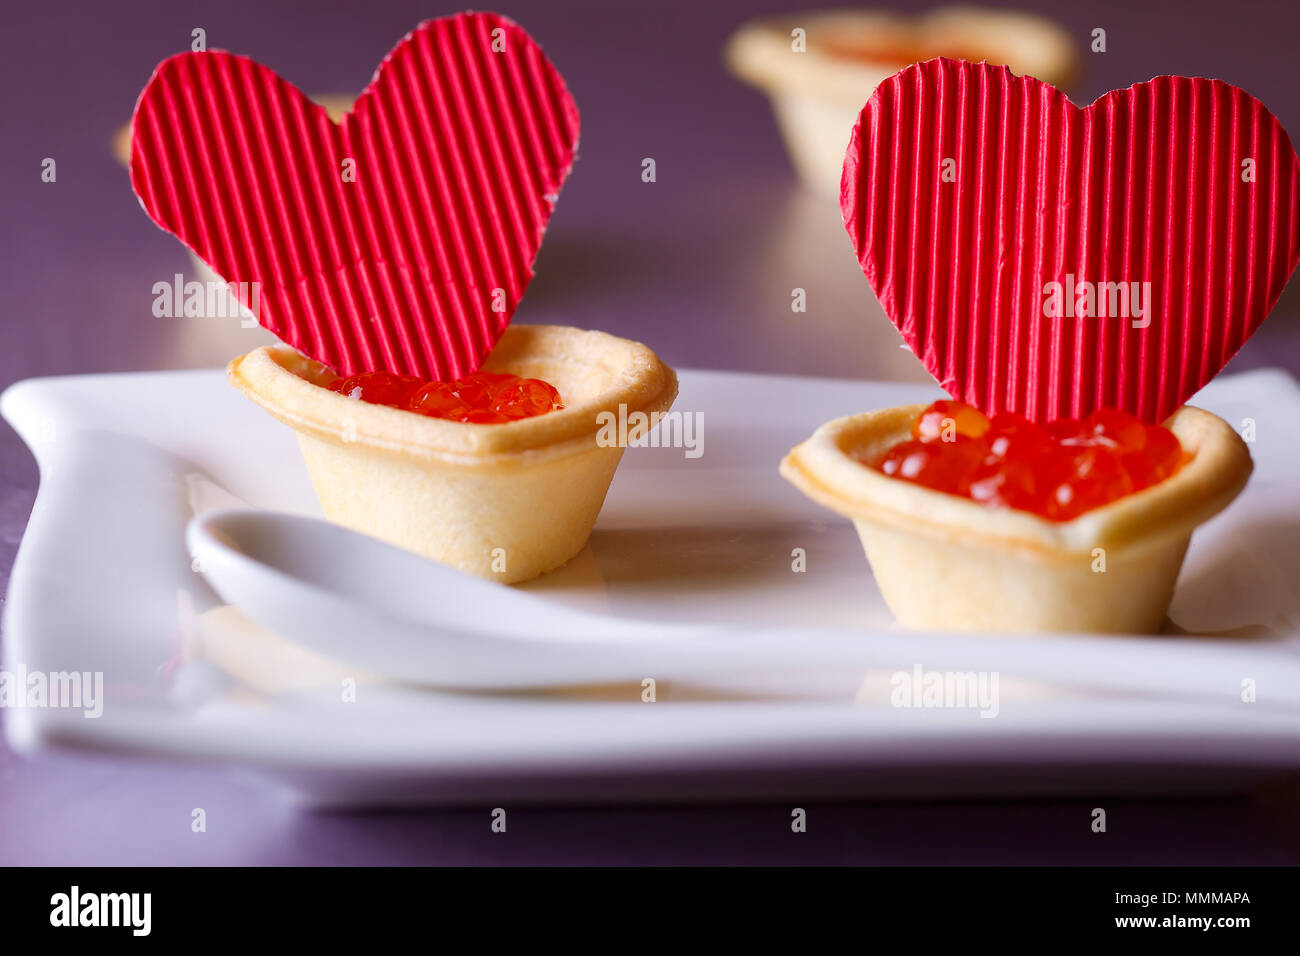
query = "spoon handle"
{"x": 1222, "y": 671}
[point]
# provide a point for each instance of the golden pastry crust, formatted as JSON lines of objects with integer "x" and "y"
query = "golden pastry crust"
{"x": 818, "y": 94}
{"x": 593, "y": 372}
{"x": 850, "y": 51}
{"x": 822, "y": 468}
{"x": 945, "y": 562}
{"x": 506, "y": 502}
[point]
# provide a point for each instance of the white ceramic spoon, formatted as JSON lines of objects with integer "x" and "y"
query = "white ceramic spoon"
{"x": 394, "y": 614}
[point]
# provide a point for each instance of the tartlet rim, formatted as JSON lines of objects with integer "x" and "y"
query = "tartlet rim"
{"x": 824, "y": 468}
{"x": 759, "y": 51}
{"x": 279, "y": 378}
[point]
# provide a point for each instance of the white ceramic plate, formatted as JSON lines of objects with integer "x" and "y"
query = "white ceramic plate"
{"x": 103, "y": 583}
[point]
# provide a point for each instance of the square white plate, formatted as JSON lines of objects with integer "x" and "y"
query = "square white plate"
{"x": 102, "y": 582}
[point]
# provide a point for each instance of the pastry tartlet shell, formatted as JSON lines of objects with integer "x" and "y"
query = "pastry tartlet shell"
{"x": 458, "y": 492}
{"x": 943, "y": 562}
{"x": 817, "y": 95}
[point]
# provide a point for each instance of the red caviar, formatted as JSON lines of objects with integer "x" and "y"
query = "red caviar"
{"x": 484, "y": 398}
{"x": 1057, "y": 471}
{"x": 379, "y": 388}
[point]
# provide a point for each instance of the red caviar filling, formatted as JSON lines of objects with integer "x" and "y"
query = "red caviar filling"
{"x": 484, "y": 398}
{"x": 1056, "y": 471}
{"x": 873, "y": 50}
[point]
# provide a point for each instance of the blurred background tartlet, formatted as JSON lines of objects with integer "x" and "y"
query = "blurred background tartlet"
{"x": 819, "y": 69}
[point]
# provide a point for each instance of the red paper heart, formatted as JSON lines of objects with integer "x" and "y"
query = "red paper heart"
{"x": 460, "y": 144}
{"x": 1144, "y": 185}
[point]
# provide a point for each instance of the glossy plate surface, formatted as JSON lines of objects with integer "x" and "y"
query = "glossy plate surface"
{"x": 103, "y": 583}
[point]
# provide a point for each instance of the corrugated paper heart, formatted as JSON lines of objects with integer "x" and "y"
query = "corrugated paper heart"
{"x": 400, "y": 239}
{"x": 1050, "y": 260}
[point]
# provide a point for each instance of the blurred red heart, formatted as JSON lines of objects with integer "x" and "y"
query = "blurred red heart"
{"x": 969, "y": 192}
{"x": 401, "y": 238}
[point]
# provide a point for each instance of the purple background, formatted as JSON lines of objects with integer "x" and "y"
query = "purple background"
{"x": 699, "y": 264}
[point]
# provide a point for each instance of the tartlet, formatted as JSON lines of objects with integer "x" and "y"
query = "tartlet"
{"x": 506, "y": 502}
{"x": 944, "y": 562}
{"x": 818, "y": 94}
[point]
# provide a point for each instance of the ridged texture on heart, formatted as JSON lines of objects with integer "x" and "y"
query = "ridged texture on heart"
{"x": 459, "y": 153}
{"x": 1144, "y": 185}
